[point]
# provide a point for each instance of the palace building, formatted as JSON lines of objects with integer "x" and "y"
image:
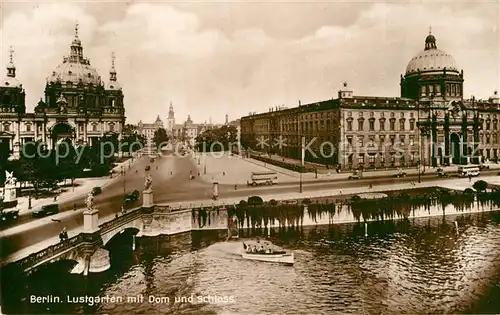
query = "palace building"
{"x": 77, "y": 106}
{"x": 430, "y": 124}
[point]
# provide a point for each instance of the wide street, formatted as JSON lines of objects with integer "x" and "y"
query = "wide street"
{"x": 171, "y": 183}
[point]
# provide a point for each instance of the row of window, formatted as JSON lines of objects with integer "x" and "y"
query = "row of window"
{"x": 7, "y": 127}
{"x": 371, "y": 142}
{"x": 435, "y": 89}
{"x": 382, "y": 158}
{"x": 371, "y": 124}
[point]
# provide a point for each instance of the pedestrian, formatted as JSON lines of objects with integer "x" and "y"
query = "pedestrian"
{"x": 55, "y": 198}
{"x": 61, "y": 236}
{"x": 198, "y": 174}
{"x": 64, "y": 234}
{"x": 223, "y": 173}
{"x": 74, "y": 207}
{"x": 370, "y": 186}
{"x": 235, "y": 187}
{"x": 470, "y": 178}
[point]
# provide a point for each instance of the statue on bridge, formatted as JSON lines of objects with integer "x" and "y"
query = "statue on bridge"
{"x": 148, "y": 182}
{"x": 9, "y": 178}
{"x": 90, "y": 201}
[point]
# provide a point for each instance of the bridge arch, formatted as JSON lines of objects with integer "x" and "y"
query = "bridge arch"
{"x": 133, "y": 227}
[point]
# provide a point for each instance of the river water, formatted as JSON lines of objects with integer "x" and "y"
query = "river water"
{"x": 412, "y": 266}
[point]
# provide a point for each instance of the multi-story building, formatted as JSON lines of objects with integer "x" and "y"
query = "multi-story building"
{"x": 148, "y": 130}
{"x": 430, "y": 124}
{"x": 78, "y": 106}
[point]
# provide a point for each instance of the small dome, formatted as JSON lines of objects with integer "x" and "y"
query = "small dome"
{"x": 10, "y": 82}
{"x": 495, "y": 98}
{"x": 113, "y": 86}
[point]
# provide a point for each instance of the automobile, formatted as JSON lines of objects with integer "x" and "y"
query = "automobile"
{"x": 132, "y": 197}
{"x": 46, "y": 210}
{"x": 8, "y": 211}
{"x": 356, "y": 175}
{"x": 484, "y": 166}
{"x": 96, "y": 190}
{"x": 400, "y": 174}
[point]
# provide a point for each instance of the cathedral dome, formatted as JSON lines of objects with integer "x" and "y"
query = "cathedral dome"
{"x": 431, "y": 59}
{"x": 75, "y": 68}
{"x": 74, "y": 71}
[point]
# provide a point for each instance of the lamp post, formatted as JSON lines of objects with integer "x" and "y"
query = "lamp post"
{"x": 303, "y": 140}
{"x": 204, "y": 157}
{"x": 419, "y": 140}
{"x": 124, "y": 187}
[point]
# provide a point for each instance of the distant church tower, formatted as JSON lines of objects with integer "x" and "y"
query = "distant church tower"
{"x": 227, "y": 119}
{"x": 171, "y": 119}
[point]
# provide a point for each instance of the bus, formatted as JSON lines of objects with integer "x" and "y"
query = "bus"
{"x": 468, "y": 170}
{"x": 263, "y": 178}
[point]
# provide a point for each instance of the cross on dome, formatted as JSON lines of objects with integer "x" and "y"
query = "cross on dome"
{"x": 11, "y": 54}
{"x": 430, "y": 30}
{"x": 76, "y": 30}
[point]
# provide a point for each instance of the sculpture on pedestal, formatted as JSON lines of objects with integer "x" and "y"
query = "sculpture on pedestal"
{"x": 9, "y": 187}
{"x": 90, "y": 201}
{"x": 148, "y": 182}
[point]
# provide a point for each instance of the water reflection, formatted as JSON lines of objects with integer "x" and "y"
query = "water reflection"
{"x": 408, "y": 266}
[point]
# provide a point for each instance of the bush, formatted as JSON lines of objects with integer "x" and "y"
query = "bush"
{"x": 255, "y": 201}
{"x": 273, "y": 202}
{"x": 306, "y": 201}
{"x": 243, "y": 203}
{"x": 480, "y": 185}
{"x": 468, "y": 191}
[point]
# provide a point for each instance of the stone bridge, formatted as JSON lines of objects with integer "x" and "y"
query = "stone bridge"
{"x": 88, "y": 249}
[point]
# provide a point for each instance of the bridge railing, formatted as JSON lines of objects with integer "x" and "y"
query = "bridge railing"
{"x": 50, "y": 251}
{"x": 124, "y": 218}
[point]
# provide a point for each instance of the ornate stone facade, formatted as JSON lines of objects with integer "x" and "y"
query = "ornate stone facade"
{"x": 77, "y": 105}
{"x": 430, "y": 123}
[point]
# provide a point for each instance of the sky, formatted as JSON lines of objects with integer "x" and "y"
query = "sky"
{"x": 214, "y": 58}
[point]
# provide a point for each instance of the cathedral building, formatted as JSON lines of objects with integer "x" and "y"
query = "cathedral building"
{"x": 77, "y": 106}
{"x": 430, "y": 124}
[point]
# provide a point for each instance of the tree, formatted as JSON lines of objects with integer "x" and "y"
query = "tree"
{"x": 480, "y": 185}
{"x": 217, "y": 139}
{"x": 160, "y": 138}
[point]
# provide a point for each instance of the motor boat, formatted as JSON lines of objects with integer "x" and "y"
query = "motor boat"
{"x": 270, "y": 253}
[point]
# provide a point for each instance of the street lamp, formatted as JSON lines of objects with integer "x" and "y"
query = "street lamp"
{"x": 124, "y": 187}
{"x": 303, "y": 140}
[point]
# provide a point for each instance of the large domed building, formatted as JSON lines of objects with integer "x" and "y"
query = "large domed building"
{"x": 432, "y": 72}
{"x": 77, "y": 105}
{"x": 430, "y": 124}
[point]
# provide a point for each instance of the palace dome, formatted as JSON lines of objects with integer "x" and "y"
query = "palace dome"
{"x": 431, "y": 59}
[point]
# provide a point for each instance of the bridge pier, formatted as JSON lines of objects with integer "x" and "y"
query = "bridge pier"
{"x": 92, "y": 261}
{"x": 147, "y": 198}
{"x": 133, "y": 242}
{"x": 91, "y": 220}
